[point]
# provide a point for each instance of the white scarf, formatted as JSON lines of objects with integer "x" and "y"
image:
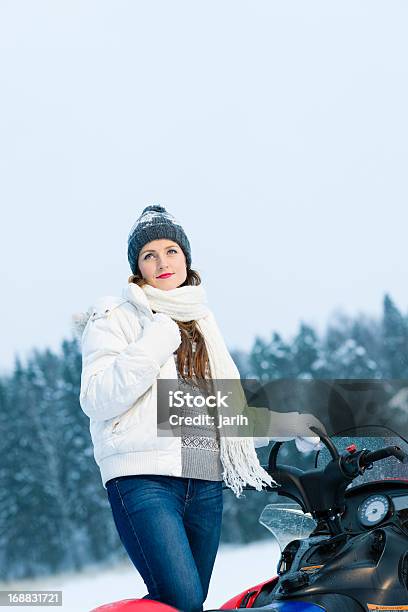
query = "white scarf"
{"x": 238, "y": 456}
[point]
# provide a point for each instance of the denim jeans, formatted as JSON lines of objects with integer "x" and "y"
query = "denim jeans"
{"x": 170, "y": 528}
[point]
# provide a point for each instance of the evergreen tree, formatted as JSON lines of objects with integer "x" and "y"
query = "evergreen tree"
{"x": 308, "y": 356}
{"x": 367, "y": 333}
{"x": 273, "y": 360}
{"x": 351, "y": 360}
{"x": 352, "y": 348}
{"x": 33, "y": 545}
{"x": 395, "y": 341}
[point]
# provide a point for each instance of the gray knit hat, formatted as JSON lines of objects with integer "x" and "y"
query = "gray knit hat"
{"x": 155, "y": 223}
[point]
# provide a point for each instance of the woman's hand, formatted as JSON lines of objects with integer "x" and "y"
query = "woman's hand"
{"x": 161, "y": 336}
{"x": 285, "y": 426}
{"x": 306, "y": 443}
{"x": 304, "y": 421}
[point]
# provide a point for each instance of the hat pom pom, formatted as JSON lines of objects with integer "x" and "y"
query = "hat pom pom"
{"x": 155, "y": 208}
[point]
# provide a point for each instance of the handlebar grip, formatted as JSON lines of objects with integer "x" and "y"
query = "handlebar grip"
{"x": 400, "y": 454}
{"x": 383, "y": 453}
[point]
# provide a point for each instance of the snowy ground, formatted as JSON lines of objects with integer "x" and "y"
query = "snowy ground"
{"x": 236, "y": 568}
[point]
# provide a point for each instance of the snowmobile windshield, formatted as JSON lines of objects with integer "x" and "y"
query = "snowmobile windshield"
{"x": 287, "y": 522}
{"x": 372, "y": 438}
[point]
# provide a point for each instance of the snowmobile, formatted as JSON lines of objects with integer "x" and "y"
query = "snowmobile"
{"x": 342, "y": 529}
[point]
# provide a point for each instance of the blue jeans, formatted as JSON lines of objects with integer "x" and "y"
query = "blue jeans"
{"x": 170, "y": 528}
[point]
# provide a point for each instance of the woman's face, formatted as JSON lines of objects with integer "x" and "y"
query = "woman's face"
{"x": 160, "y": 257}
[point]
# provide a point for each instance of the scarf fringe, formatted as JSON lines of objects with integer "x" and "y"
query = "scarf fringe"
{"x": 241, "y": 466}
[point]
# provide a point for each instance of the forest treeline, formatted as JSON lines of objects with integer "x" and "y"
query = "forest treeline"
{"x": 54, "y": 513}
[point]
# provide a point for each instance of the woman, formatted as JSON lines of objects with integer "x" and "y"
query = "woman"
{"x": 165, "y": 491}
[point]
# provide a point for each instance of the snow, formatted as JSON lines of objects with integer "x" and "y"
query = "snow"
{"x": 236, "y": 568}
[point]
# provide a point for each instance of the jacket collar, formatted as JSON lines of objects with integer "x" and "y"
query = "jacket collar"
{"x": 131, "y": 293}
{"x": 136, "y": 296}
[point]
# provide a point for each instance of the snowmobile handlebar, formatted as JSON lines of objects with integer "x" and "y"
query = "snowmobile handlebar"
{"x": 369, "y": 458}
{"x": 321, "y": 490}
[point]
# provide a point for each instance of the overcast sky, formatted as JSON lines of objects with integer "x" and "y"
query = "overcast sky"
{"x": 275, "y": 132}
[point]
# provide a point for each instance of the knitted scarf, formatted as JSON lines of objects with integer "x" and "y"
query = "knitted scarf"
{"x": 238, "y": 457}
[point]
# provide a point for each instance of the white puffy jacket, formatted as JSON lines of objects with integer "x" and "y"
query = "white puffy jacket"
{"x": 119, "y": 389}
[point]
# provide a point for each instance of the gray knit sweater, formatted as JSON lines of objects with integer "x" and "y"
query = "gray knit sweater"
{"x": 200, "y": 445}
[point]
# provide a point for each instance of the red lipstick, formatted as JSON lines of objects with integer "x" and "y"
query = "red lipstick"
{"x": 166, "y": 275}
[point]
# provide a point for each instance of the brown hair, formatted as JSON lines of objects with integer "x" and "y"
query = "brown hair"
{"x": 189, "y": 365}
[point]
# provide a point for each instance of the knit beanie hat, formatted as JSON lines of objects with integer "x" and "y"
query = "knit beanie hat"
{"x": 155, "y": 223}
